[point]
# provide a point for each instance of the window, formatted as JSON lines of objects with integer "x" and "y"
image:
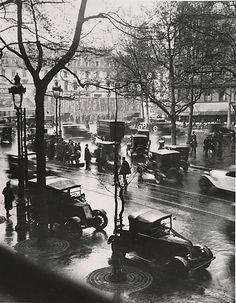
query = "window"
{"x": 97, "y": 63}
{"x": 3, "y": 72}
{"x": 86, "y": 63}
{"x": 87, "y": 74}
{"x": 13, "y": 73}
{"x": 222, "y": 96}
{"x": 208, "y": 96}
{"x": 97, "y": 75}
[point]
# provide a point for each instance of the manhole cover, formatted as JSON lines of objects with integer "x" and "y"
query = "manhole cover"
{"x": 2, "y": 219}
{"x": 54, "y": 246}
{"x": 136, "y": 279}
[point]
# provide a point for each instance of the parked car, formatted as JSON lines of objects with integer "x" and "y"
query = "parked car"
{"x": 151, "y": 235}
{"x": 67, "y": 206}
{"x": 139, "y": 145}
{"x": 6, "y": 133}
{"x": 165, "y": 165}
{"x": 184, "y": 154}
{"x": 220, "y": 179}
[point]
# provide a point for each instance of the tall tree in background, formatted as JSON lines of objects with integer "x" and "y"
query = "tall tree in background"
{"x": 180, "y": 48}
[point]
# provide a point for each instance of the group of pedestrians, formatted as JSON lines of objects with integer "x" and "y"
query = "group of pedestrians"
{"x": 213, "y": 144}
{"x": 68, "y": 152}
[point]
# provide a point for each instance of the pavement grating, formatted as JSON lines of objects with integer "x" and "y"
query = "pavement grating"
{"x": 136, "y": 280}
{"x": 30, "y": 247}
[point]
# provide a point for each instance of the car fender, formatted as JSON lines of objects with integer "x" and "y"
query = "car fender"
{"x": 98, "y": 211}
{"x": 205, "y": 250}
{"x": 183, "y": 261}
{"x": 74, "y": 219}
{"x": 209, "y": 178}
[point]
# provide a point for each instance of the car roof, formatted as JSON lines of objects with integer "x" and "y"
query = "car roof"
{"x": 59, "y": 183}
{"x": 165, "y": 152}
{"x": 144, "y": 130}
{"x": 176, "y": 146}
{"x": 152, "y": 216}
{"x": 139, "y": 136}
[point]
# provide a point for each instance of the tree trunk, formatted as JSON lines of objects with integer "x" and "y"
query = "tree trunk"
{"x": 190, "y": 118}
{"x": 41, "y": 203}
{"x": 190, "y": 125}
{"x": 229, "y": 109}
{"x": 173, "y": 130}
{"x": 173, "y": 114}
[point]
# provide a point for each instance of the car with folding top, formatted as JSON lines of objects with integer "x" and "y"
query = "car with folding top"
{"x": 150, "y": 234}
{"x": 67, "y": 207}
{"x": 219, "y": 179}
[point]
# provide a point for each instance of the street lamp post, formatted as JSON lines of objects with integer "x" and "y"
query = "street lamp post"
{"x": 57, "y": 91}
{"x": 17, "y": 91}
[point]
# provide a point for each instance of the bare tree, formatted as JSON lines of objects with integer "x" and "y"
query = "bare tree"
{"x": 181, "y": 48}
{"x": 33, "y": 47}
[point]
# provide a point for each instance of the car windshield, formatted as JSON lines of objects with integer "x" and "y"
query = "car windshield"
{"x": 75, "y": 192}
{"x": 166, "y": 223}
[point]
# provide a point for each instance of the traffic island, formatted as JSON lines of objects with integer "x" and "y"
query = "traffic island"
{"x": 30, "y": 247}
{"x": 135, "y": 279}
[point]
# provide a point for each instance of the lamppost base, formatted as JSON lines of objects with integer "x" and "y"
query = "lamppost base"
{"x": 21, "y": 215}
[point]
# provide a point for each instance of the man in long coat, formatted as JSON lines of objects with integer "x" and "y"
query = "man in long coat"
{"x": 124, "y": 171}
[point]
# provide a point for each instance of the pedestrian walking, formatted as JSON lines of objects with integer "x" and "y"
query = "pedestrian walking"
{"x": 8, "y": 198}
{"x": 87, "y": 157}
{"x": 193, "y": 144}
{"x": 124, "y": 171}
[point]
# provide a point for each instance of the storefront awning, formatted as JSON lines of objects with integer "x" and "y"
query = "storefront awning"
{"x": 208, "y": 109}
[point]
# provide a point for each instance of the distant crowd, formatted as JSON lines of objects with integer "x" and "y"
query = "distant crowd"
{"x": 68, "y": 152}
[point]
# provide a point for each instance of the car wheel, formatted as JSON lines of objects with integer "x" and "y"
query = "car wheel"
{"x": 205, "y": 184}
{"x": 173, "y": 174}
{"x": 100, "y": 220}
{"x": 74, "y": 229}
{"x": 158, "y": 178}
{"x": 177, "y": 267}
{"x": 184, "y": 165}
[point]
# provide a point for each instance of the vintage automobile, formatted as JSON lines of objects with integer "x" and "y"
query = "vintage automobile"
{"x": 219, "y": 179}
{"x": 165, "y": 165}
{"x": 145, "y": 132}
{"x": 13, "y": 165}
{"x": 151, "y": 235}
{"x": 184, "y": 154}
{"x": 67, "y": 207}
{"x": 110, "y": 130}
{"x": 139, "y": 145}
